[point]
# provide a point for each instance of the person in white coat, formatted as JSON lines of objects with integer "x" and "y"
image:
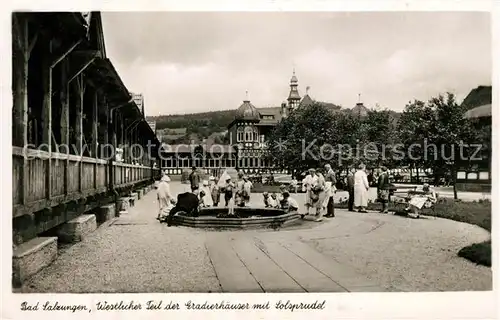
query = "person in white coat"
{"x": 361, "y": 188}
{"x": 165, "y": 198}
{"x": 309, "y": 182}
{"x": 207, "y": 198}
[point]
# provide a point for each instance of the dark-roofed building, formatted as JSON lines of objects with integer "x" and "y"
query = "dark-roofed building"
{"x": 476, "y": 174}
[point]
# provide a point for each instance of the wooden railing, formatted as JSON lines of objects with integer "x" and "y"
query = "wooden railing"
{"x": 41, "y": 179}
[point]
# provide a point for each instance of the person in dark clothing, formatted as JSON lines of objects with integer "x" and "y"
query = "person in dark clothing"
{"x": 194, "y": 179}
{"x": 350, "y": 188}
{"x": 383, "y": 189}
{"x": 187, "y": 202}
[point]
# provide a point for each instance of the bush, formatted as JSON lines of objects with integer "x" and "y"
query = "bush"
{"x": 479, "y": 253}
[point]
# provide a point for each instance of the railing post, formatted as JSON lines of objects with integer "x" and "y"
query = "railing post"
{"x": 65, "y": 121}
{"x": 20, "y": 95}
{"x": 79, "y": 126}
{"x": 95, "y": 136}
{"x": 47, "y": 114}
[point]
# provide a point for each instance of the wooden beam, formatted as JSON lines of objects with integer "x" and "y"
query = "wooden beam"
{"x": 64, "y": 97}
{"x": 20, "y": 98}
{"x": 106, "y": 135}
{"x": 95, "y": 134}
{"x": 32, "y": 43}
{"x": 83, "y": 59}
{"x": 63, "y": 55}
{"x": 79, "y": 125}
{"x": 47, "y": 115}
{"x": 20, "y": 31}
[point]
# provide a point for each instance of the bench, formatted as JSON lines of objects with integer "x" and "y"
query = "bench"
{"x": 405, "y": 193}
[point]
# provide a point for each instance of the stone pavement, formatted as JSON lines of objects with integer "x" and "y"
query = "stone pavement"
{"x": 352, "y": 252}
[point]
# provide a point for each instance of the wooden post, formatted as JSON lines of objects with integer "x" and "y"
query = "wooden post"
{"x": 115, "y": 145}
{"x": 106, "y": 135}
{"x": 79, "y": 125}
{"x": 20, "y": 95}
{"x": 95, "y": 135}
{"x": 65, "y": 121}
{"x": 47, "y": 114}
{"x": 122, "y": 138}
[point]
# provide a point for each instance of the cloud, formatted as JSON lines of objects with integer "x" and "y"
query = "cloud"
{"x": 191, "y": 62}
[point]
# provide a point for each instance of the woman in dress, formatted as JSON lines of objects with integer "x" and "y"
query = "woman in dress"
{"x": 320, "y": 195}
{"x": 309, "y": 181}
{"x": 247, "y": 189}
{"x": 361, "y": 188}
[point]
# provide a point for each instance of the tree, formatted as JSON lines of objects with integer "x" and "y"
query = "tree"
{"x": 449, "y": 132}
{"x": 303, "y": 139}
{"x": 413, "y": 127}
{"x": 432, "y": 135}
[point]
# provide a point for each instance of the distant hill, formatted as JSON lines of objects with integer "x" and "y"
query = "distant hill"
{"x": 203, "y": 125}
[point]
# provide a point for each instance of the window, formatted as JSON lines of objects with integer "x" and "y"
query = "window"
{"x": 248, "y": 133}
{"x": 255, "y": 134}
{"x": 239, "y": 137}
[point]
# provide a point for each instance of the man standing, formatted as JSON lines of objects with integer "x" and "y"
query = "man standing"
{"x": 194, "y": 179}
{"x": 330, "y": 190}
{"x": 350, "y": 188}
{"x": 383, "y": 189}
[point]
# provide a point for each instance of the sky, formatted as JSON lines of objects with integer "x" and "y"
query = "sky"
{"x": 188, "y": 62}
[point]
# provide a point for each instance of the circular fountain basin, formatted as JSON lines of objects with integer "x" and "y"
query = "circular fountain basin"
{"x": 246, "y": 218}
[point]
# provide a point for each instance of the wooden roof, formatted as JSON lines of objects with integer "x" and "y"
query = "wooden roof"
{"x": 104, "y": 75}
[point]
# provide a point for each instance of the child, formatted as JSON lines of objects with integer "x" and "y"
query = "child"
{"x": 201, "y": 196}
{"x": 273, "y": 201}
{"x": 247, "y": 189}
{"x": 228, "y": 192}
{"x": 266, "y": 199}
{"x": 214, "y": 191}
{"x": 289, "y": 203}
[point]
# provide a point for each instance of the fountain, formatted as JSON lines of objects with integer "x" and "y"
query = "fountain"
{"x": 244, "y": 218}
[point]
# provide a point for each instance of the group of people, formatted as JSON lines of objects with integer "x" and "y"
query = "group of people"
{"x": 319, "y": 186}
{"x": 283, "y": 200}
{"x": 358, "y": 188}
{"x": 203, "y": 194}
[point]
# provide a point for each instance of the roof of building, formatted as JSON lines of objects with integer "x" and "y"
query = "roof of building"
{"x": 247, "y": 111}
{"x": 294, "y": 94}
{"x": 360, "y": 110}
{"x": 483, "y": 111}
{"x": 173, "y": 131}
{"x": 192, "y": 148}
{"x": 307, "y": 100}
{"x": 478, "y": 97}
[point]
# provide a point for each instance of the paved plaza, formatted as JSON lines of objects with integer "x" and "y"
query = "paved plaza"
{"x": 350, "y": 253}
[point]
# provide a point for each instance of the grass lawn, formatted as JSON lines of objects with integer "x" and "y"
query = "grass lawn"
{"x": 475, "y": 212}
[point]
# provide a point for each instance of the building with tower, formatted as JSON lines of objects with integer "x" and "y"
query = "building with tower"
{"x": 248, "y": 133}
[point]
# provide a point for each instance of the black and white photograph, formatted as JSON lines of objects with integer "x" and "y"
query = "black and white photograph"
{"x": 251, "y": 152}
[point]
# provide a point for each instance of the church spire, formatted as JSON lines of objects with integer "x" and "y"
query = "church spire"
{"x": 294, "y": 96}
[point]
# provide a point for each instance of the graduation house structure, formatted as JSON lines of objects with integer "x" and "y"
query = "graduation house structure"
{"x": 73, "y": 122}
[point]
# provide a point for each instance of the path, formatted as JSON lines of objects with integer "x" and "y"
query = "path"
{"x": 352, "y": 252}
